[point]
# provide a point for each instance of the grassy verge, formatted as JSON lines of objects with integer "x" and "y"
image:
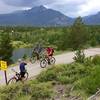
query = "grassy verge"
{"x": 67, "y": 81}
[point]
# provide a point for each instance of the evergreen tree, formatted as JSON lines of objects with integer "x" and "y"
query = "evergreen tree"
{"x": 78, "y": 36}
{"x": 6, "y": 48}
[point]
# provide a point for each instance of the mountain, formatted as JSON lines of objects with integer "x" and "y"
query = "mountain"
{"x": 37, "y": 16}
{"x": 92, "y": 19}
{"x": 41, "y": 16}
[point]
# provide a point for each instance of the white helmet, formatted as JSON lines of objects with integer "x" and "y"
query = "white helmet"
{"x": 19, "y": 60}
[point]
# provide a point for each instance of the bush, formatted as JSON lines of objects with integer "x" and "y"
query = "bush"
{"x": 48, "y": 75}
{"x": 51, "y": 74}
{"x": 41, "y": 91}
{"x": 79, "y": 69}
{"x": 25, "y": 56}
{"x": 10, "y": 92}
{"x": 96, "y": 60}
{"x": 64, "y": 79}
{"x": 65, "y": 73}
{"x": 33, "y": 91}
{"x": 88, "y": 61}
{"x": 90, "y": 83}
{"x": 79, "y": 56}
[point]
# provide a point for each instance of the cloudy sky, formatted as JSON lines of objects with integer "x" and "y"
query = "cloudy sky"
{"x": 72, "y": 8}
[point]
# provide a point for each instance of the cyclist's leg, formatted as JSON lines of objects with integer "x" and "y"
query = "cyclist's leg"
{"x": 49, "y": 57}
{"x": 22, "y": 74}
{"x": 37, "y": 54}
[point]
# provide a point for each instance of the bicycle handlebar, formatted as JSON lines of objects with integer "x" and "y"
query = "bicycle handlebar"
{"x": 14, "y": 71}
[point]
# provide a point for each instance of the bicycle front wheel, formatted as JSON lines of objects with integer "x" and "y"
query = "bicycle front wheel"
{"x": 33, "y": 60}
{"x": 52, "y": 60}
{"x": 12, "y": 80}
{"x": 43, "y": 63}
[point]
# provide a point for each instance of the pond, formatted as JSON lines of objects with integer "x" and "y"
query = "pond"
{"x": 19, "y": 53}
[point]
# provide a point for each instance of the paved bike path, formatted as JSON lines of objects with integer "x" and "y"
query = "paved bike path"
{"x": 35, "y": 69}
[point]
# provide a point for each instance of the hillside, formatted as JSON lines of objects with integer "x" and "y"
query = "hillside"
{"x": 37, "y": 16}
{"x": 92, "y": 19}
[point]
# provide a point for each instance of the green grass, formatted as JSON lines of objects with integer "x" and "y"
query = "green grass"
{"x": 78, "y": 79}
{"x": 28, "y": 90}
{"x": 27, "y": 97}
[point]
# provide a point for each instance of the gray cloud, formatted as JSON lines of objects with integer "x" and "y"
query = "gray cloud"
{"x": 68, "y": 7}
{"x": 19, "y": 2}
{"x": 71, "y": 8}
{"x": 27, "y": 3}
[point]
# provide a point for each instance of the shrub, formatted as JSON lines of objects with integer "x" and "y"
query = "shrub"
{"x": 48, "y": 75}
{"x": 10, "y": 92}
{"x": 96, "y": 60}
{"x": 25, "y": 57}
{"x": 51, "y": 74}
{"x": 88, "y": 61}
{"x": 90, "y": 83}
{"x": 41, "y": 91}
{"x": 79, "y": 56}
{"x": 33, "y": 91}
{"x": 64, "y": 79}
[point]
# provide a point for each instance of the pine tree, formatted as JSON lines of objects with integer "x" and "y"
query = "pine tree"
{"x": 79, "y": 34}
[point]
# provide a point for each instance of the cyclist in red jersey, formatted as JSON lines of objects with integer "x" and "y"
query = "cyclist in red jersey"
{"x": 49, "y": 53}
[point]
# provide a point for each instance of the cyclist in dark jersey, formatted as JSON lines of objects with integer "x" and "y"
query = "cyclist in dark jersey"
{"x": 22, "y": 68}
{"x": 37, "y": 50}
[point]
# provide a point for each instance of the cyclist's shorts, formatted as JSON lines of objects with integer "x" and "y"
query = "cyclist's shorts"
{"x": 22, "y": 74}
{"x": 50, "y": 55}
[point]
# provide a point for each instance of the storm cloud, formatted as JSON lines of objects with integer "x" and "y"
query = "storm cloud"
{"x": 27, "y": 3}
{"x": 72, "y": 8}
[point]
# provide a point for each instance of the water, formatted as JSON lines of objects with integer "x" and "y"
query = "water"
{"x": 19, "y": 53}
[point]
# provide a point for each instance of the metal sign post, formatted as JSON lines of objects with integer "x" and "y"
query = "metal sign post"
{"x": 5, "y": 76}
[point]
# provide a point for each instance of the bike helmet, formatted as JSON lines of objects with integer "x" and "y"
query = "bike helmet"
{"x": 19, "y": 60}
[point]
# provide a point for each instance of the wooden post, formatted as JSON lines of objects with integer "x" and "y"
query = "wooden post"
{"x": 5, "y": 76}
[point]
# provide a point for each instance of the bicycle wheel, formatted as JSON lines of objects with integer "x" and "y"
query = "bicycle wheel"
{"x": 43, "y": 63}
{"x": 12, "y": 80}
{"x": 33, "y": 60}
{"x": 52, "y": 60}
{"x": 26, "y": 76}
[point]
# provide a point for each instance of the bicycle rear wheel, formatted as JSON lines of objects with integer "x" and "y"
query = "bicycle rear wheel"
{"x": 43, "y": 63}
{"x": 26, "y": 76}
{"x": 12, "y": 80}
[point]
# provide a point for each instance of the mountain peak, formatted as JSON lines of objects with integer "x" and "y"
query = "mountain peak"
{"x": 39, "y": 8}
{"x": 42, "y": 7}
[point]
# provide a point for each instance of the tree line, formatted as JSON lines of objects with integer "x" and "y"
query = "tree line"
{"x": 72, "y": 37}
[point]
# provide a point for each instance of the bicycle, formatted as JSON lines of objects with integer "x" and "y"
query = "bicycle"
{"x": 17, "y": 77}
{"x": 33, "y": 58}
{"x": 45, "y": 61}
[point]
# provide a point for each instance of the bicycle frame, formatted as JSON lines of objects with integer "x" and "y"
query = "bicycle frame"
{"x": 17, "y": 75}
